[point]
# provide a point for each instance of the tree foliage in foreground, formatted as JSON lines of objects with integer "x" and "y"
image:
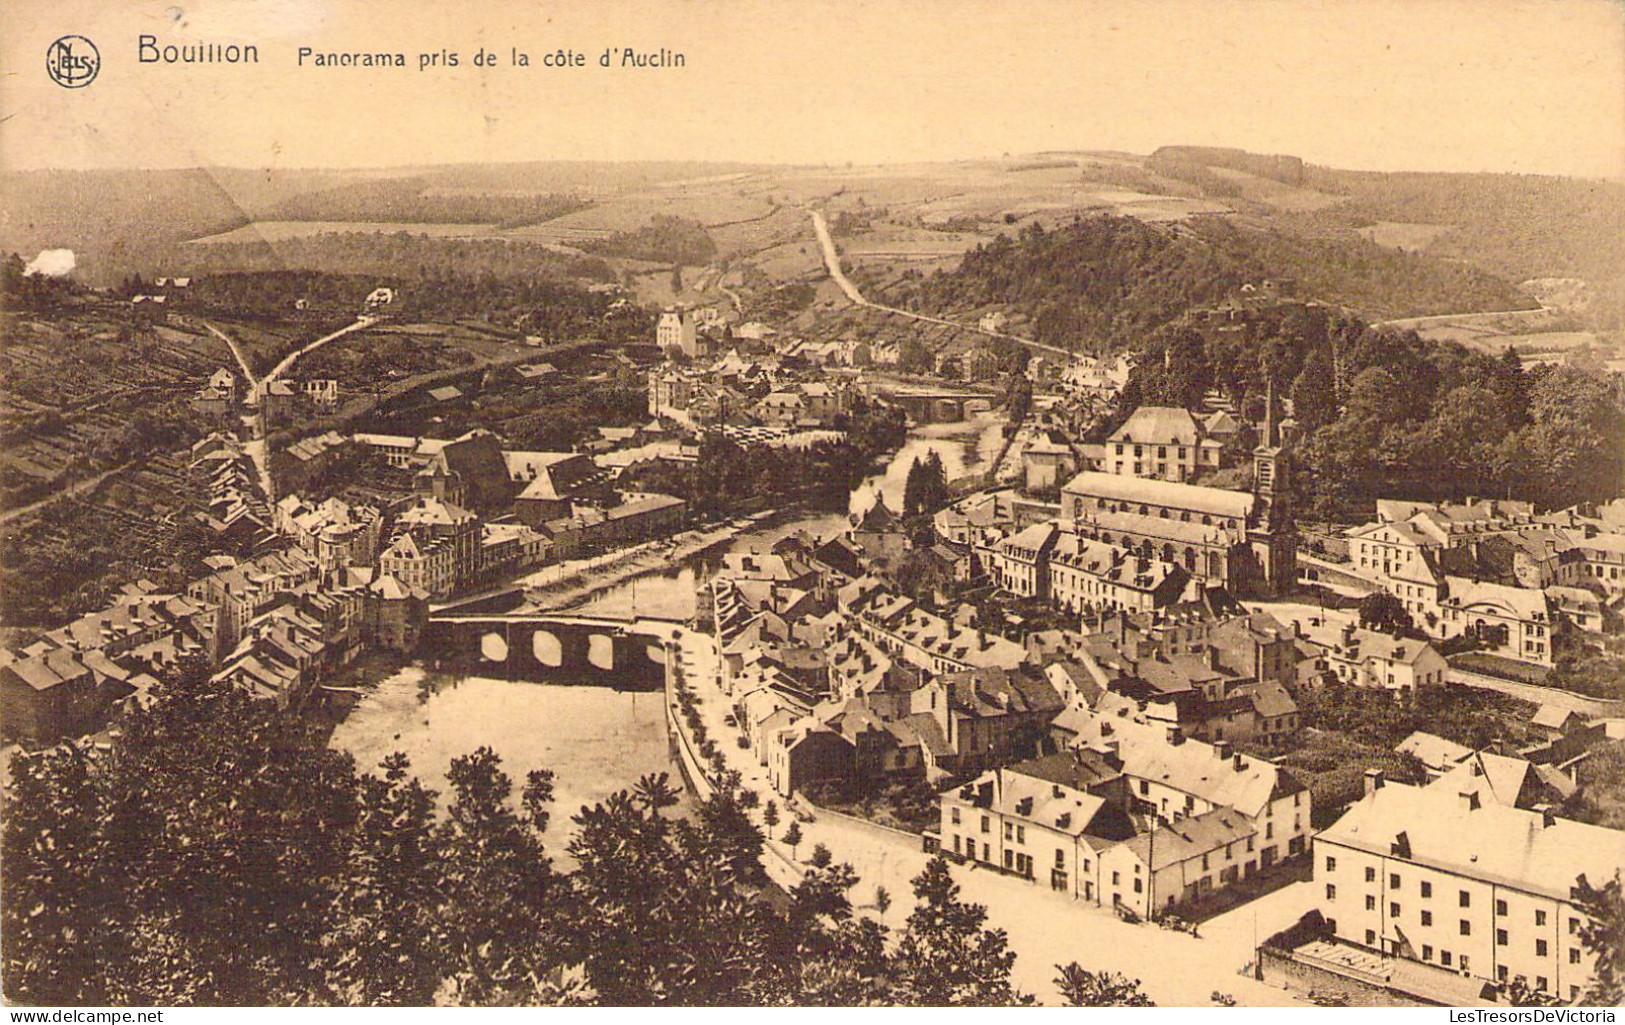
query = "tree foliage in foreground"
{"x": 1082, "y": 988}
{"x": 218, "y": 853}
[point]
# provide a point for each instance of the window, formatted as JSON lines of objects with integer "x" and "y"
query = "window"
{"x": 1138, "y": 886}
{"x": 1540, "y": 983}
{"x": 1427, "y": 889}
{"x": 1370, "y": 875}
{"x": 1427, "y": 952}
{"x": 1393, "y": 910}
{"x": 1021, "y": 834}
{"x": 1145, "y": 788}
{"x": 1501, "y": 972}
{"x": 1009, "y": 830}
{"x": 1500, "y": 907}
{"x": 1540, "y": 948}
{"x": 986, "y": 825}
{"x": 1574, "y": 927}
{"x": 1500, "y": 937}
{"x": 1444, "y": 958}
{"x": 1331, "y": 892}
{"x": 1427, "y": 918}
{"x": 1393, "y": 880}
{"x": 1574, "y": 955}
{"x": 1060, "y": 857}
{"x": 1116, "y": 878}
{"x": 956, "y": 816}
{"x": 1540, "y": 918}
{"x": 1466, "y": 927}
{"x": 1370, "y": 902}
{"x": 1464, "y": 962}
{"x": 1370, "y": 938}
{"x": 1466, "y": 899}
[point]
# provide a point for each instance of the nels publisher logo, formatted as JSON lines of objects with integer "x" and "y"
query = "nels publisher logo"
{"x": 73, "y": 62}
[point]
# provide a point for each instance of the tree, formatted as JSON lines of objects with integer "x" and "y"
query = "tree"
{"x": 770, "y": 814}
{"x": 1082, "y": 988}
{"x": 1603, "y": 935}
{"x": 821, "y": 856}
{"x": 947, "y": 957}
{"x": 497, "y": 882}
{"x": 882, "y": 899}
{"x": 792, "y": 836}
{"x": 1314, "y": 392}
{"x": 1380, "y": 610}
{"x": 914, "y": 358}
{"x": 387, "y": 931}
{"x": 925, "y": 490}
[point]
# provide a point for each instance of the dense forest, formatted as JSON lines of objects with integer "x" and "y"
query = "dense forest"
{"x": 1517, "y": 226}
{"x": 414, "y": 200}
{"x": 395, "y": 255}
{"x": 665, "y": 239}
{"x": 1106, "y": 282}
{"x": 1384, "y": 413}
{"x": 553, "y": 307}
{"x": 728, "y": 476}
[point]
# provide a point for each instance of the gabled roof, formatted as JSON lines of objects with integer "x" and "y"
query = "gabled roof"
{"x": 1432, "y": 750}
{"x": 1158, "y": 425}
{"x": 1503, "y": 779}
{"x": 1554, "y": 716}
{"x": 1190, "y": 837}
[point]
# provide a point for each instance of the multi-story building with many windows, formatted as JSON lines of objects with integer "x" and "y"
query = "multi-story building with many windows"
{"x": 1470, "y": 886}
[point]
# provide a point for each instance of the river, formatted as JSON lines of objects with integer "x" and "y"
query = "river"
{"x": 597, "y": 740}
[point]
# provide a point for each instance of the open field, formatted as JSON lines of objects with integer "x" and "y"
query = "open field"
{"x": 1410, "y": 238}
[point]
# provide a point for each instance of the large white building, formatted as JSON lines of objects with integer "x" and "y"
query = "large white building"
{"x": 1164, "y": 442}
{"x": 1469, "y": 886}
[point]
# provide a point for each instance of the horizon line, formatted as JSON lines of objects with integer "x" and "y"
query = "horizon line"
{"x": 756, "y": 164}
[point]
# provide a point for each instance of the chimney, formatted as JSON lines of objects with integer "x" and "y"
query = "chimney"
{"x": 1221, "y": 749}
{"x": 1176, "y": 736}
{"x": 1348, "y": 633}
{"x": 1373, "y": 781}
{"x": 1237, "y": 763}
{"x": 1548, "y": 815}
{"x": 1212, "y": 657}
{"x": 1469, "y": 800}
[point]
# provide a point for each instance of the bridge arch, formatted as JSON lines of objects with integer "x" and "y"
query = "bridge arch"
{"x": 601, "y": 651}
{"x": 493, "y": 647}
{"x": 547, "y": 648}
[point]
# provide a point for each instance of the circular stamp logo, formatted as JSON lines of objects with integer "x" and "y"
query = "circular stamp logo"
{"x": 73, "y": 62}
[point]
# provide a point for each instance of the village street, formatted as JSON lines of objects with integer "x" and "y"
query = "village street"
{"x": 1045, "y": 928}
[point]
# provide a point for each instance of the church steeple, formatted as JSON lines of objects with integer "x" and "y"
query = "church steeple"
{"x": 1273, "y": 535}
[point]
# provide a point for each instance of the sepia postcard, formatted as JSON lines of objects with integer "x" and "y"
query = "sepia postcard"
{"x": 807, "y": 503}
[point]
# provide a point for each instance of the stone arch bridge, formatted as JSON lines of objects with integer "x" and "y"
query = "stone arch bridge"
{"x": 502, "y": 635}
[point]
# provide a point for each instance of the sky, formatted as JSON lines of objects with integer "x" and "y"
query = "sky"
{"x": 1428, "y": 85}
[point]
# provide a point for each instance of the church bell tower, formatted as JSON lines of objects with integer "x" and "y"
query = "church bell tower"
{"x": 1273, "y": 535}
